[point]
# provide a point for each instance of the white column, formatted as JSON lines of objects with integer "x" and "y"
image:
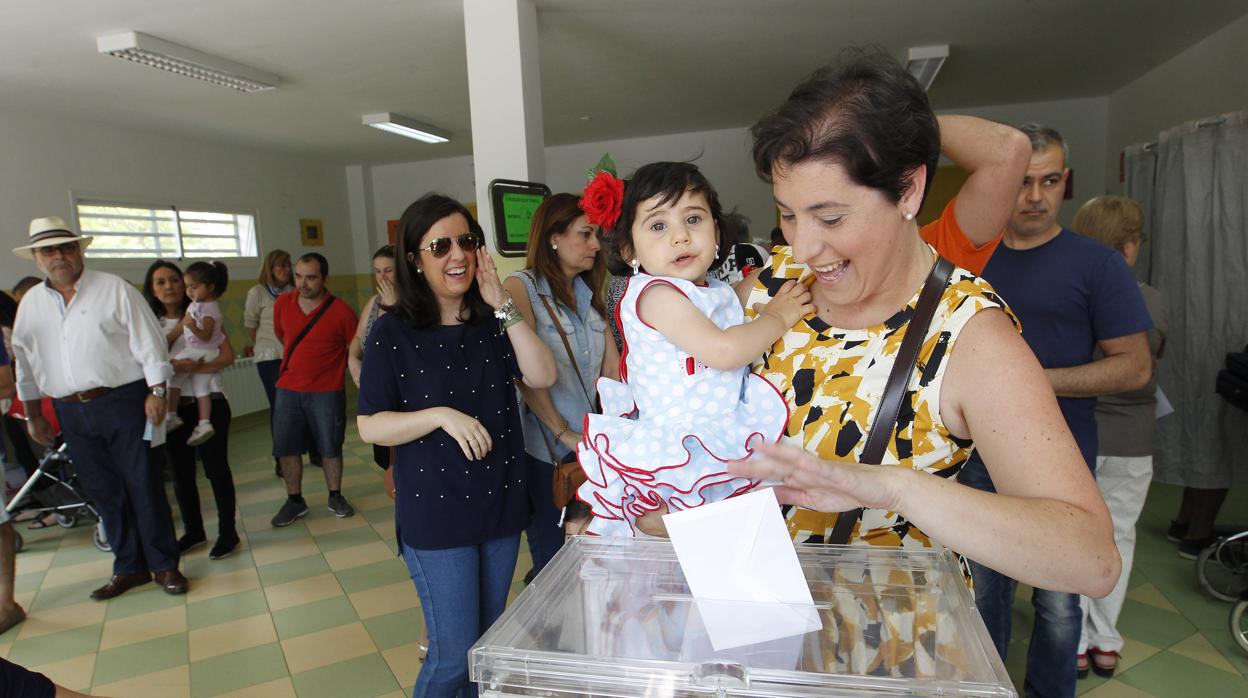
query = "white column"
{"x": 364, "y": 239}
{"x": 505, "y": 96}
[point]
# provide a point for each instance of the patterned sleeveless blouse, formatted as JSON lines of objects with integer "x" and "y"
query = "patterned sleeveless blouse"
{"x": 833, "y": 380}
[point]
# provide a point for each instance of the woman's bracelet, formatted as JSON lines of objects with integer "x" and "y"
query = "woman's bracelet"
{"x": 562, "y": 431}
{"x": 508, "y": 313}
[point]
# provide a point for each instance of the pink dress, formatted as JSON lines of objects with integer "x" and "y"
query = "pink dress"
{"x": 668, "y": 431}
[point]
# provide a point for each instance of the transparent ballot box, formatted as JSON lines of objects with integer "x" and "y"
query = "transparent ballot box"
{"x": 614, "y": 617}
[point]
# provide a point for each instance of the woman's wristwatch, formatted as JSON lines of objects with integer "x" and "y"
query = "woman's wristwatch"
{"x": 508, "y": 313}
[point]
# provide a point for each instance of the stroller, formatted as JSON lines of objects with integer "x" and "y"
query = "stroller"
{"x": 71, "y": 504}
{"x": 1222, "y": 570}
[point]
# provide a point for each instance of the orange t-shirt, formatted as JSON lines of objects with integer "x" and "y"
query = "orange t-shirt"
{"x": 951, "y": 242}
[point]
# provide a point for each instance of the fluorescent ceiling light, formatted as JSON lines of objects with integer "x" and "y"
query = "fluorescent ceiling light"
{"x": 925, "y": 62}
{"x": 158, "y": 53}
{"x": 403, "y": 126}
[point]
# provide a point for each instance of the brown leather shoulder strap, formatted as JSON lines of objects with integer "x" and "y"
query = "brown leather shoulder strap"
{"x": 895, "y": 390}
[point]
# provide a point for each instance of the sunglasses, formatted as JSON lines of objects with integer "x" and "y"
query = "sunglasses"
{"x": 440, "y": 247}
{"x": 65, "y": 248}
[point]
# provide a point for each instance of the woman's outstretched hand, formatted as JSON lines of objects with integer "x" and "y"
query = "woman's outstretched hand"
{"x": 492, "y": 290}
{"x": 813, "y": 483}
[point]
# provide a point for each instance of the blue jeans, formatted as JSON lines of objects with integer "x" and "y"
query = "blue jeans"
{"x": 1058, "y": 618}
{"x": 545, "y": 535}
{"x": 308, "y": 422}
{"x": 462, "y": 592}
{"x": 267, "y": 371}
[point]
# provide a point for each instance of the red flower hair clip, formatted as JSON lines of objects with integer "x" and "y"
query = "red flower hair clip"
{"x": 603, "y": 197}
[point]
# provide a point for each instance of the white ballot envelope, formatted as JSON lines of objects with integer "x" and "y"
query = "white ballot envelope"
{"x": 155, "y": 434}
{"x": 742, "y": 570}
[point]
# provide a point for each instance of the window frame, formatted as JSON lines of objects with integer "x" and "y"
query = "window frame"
{"x": 176, "y": 207}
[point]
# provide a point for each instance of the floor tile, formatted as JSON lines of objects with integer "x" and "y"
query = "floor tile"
{"x": 235, "y": 635}
{"x": 1199, "y": 648}
{"x": 1148, "y": 593}
{"x": 64, "y": 595}
{"x": 223, "y": 609}
{"x": 74, "y": 673}
{"x": 280, "y": 688}
{"x": 1134, "y": 652}
{"x": 29, "y": 581}
{"x": 238, "y": 670}
{"x": 1161, "y": 628}
{"x": 141, "y": 658}
{"x": 291, "y": 570}
{"x": 29, "y": 562}
{"x": 330, "y": 646}
{"x": 141, "y": 628}
{"x": 144, "y": 599}
{"x": 1170, "y": 674}
{"x": 387, "y": 599}
{"x": 1116, "y": 689}
{"x": 60, "y": 619}
{"x": 394, "y": 629}
{"x": 355, "y": 556}
{"x": 313, "y": 617}
{"x": 280, "y": 551}
{"x": 325, "y": 523}
{"x": 203, "y": 588}
{"x": 174, "y": 682}
{"x": 55, "y": 647}
{"x": 377, "y": 500}
{"x": 383, "y": 516}
{"x": 302, "y": 591}
{"x": 204, "y": 568}
{"x": 404, "y": 662}
{"x": 363, "y": 578}
{"x": 363, "y": 677}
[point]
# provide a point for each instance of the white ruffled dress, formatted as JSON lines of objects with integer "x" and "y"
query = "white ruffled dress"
{"x": 669, "y": 429}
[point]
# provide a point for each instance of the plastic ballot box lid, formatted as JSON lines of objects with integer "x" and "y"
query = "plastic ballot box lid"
{"x": 614, "y": 617}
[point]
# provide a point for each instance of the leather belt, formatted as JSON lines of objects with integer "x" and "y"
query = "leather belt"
{"x": 84, "y": 396}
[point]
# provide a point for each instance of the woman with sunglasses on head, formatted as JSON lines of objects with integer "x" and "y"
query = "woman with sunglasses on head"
{"x": 437, "y": 384}
{"x": 560, "y": 295}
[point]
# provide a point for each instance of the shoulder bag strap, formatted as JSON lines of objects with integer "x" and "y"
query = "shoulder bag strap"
{"x": 895, "y": 390}
{"x": 566, "y": 346}
{"x": 304, "y": 332}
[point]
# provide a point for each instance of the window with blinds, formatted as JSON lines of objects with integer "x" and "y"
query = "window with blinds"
{"x": 131, "y": 231}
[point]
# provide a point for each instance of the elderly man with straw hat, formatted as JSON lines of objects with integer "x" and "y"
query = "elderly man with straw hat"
{"x": 88, "y": 340}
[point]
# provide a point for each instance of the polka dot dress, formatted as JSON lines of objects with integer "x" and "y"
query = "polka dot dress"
{"x": 668, "y": 430}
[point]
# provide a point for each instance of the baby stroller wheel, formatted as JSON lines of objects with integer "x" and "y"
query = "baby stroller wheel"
{"x": 100, "y": 540}
{"x": 1239, "y": 624}
{"x": 1222, "y": 568}
{"x": 18, "y": 542}
{"x": 66, "y": 520}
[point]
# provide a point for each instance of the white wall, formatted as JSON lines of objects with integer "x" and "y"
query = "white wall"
{"x": 46, "y": 157}
{"x": 1207, "y": 79}
{"x": 723, "y": 155}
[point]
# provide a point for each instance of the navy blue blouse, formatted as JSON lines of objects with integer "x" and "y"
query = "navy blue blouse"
{"x": 442, "y": 499}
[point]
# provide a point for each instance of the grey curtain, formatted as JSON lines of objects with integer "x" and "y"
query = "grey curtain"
{"x": 1140, "y": 165}
{"x": 1200, "y": 261}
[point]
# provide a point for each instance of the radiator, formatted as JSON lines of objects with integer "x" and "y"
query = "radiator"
{"x": 243, "y": 388}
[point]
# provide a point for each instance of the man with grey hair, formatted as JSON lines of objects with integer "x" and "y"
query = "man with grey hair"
{"x": 1072, "y": 295}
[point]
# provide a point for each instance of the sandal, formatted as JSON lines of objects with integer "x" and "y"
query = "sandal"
{"x": 47, "y": 521}
{"x": 1104, "y": 663}
{"x": 1081, "y": 665}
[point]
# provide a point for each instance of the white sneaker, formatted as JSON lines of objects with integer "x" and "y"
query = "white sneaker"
{"x": 201, "y": 433}
{"x": 173, "y": 422}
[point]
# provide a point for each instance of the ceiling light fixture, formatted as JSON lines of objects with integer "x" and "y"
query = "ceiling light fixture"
{"x": 404, "y": 126}
{"x": 158, "y": 53}
{"x": 925, "y": 62}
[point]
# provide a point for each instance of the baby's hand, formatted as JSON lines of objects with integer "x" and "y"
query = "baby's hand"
{"x": 790, "y": 304}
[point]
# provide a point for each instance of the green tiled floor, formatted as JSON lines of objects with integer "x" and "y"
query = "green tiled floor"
{"x": 322, "y": 607}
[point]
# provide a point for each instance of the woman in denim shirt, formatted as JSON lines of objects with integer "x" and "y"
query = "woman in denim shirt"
{"x": 562, "y": 283}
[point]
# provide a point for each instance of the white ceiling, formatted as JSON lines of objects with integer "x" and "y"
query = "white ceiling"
{"x": 635, "y": 67}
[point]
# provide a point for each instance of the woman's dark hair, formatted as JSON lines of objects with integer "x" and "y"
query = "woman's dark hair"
{"x": 866, "y": 114}
{"x": 386, "y": 251}
{"x": 417, "y": 304}
{"x": 8, "y": 310}
{"x": 669, "y": 181}
{"x": 553, "y": 217}
{"x": 213, "y": 273}
{"x": 149, "y": 292}
{"x": 24, "y": 284}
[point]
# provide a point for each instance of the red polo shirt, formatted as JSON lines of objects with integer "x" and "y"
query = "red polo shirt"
{"x": 317, "y": 365}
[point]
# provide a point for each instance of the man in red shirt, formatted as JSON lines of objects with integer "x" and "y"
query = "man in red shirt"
{"x": 310, "y": 408}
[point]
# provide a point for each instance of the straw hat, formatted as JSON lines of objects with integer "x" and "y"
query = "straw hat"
{"x": 49, "y": 231}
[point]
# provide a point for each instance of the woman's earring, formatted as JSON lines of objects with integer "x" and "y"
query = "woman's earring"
{"x": 717, "y": 250}
{"x": 908, "y": 216}
{"x": 634, "y": 264}
{"x": 554, "y": 245}
{"x": 419, "y": 270}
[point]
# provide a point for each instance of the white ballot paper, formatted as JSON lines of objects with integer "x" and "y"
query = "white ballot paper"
{"x": 743, "y": 571}
{"x": 155, "y": 434}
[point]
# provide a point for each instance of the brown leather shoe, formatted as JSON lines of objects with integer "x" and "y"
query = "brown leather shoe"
{"x": 120, "y": 584}
{"x": 172, "y": 581}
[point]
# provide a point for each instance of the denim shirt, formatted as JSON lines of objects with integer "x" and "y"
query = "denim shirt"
{"x": 584, "y": 329}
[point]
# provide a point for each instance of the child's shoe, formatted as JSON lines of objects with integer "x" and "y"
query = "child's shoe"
{"x": 173, "y": 422}
{"x": 201, "y": 433}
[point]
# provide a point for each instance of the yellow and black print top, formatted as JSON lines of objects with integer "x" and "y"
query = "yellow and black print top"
{"x": 833, "y": 381}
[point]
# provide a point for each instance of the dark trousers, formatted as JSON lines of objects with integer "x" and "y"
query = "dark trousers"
{"x": 268, "y": 378}
{"x": 215, "y": 455}
{"x": 119, "y": 473}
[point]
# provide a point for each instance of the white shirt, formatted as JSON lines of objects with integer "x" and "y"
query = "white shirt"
{"x": 105, "y": 337}
{"x": 258, "y": 316}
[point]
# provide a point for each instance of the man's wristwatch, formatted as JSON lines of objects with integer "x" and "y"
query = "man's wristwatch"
{"x": 158, "y": 390}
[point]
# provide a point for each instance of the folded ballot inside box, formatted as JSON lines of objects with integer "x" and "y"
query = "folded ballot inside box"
{"x": 617, "y": 617}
